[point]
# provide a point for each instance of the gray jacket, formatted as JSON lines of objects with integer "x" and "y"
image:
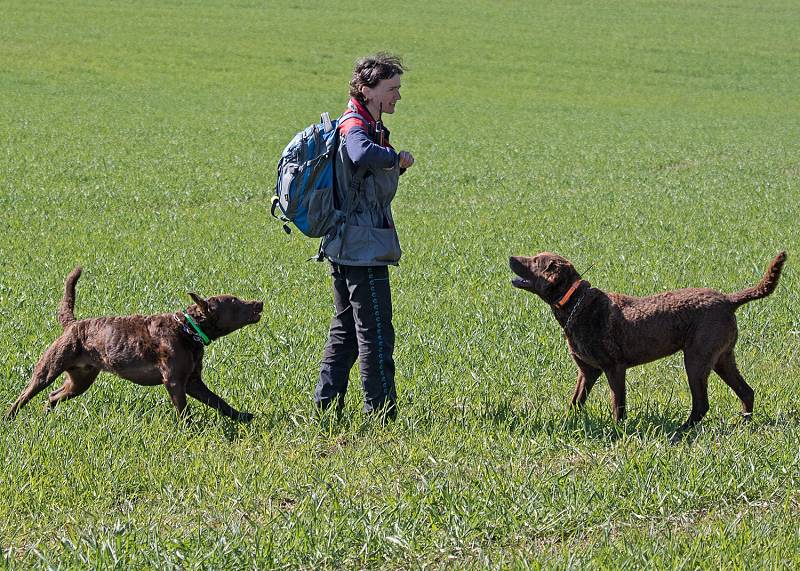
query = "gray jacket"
{"x": 366, "y": 235}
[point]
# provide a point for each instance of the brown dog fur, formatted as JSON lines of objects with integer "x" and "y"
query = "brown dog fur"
{"x": 610, "y": 332}
{"x": 148, "y": 350}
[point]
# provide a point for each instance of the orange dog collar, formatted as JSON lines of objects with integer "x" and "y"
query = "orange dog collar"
{"x": 563, "y": 301}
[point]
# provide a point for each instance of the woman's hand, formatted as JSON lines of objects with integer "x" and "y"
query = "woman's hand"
{"x": 406, "y": 159}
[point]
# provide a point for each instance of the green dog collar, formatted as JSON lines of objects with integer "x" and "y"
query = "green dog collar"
{"x": 203, "y": 336}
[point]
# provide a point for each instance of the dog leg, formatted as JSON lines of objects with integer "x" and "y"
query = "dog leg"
{"x": 698, "y": 367}
{"x": 177, "y": 391}
{"x": 78, "y": 381}
{"x": 616, "y": 380}
{"x": 177, "y": 394}
{"x": 175, "y": 371}
{"x": 728, "y": 371}
{"x": 198, "y": 389}
{"x": 47, "y": 370}
{"x": 587, "y": 376}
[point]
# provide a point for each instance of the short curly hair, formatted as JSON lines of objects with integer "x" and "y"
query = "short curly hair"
{"x": 369, "y": 70}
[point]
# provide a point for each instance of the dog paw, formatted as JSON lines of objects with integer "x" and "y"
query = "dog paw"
{"x": 245, "y": 417}
{"x": 676, "y": 438}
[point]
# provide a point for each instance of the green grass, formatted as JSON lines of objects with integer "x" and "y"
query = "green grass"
{"x": 657, "y": 142}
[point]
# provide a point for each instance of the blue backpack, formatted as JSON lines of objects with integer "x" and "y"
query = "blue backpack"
{"x": 304, "y": 189}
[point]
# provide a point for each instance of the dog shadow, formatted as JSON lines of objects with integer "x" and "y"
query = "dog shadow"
{"x": 589, "y": 425}
{"x": 198, "y": 423}
{"x": 233, "y": 430}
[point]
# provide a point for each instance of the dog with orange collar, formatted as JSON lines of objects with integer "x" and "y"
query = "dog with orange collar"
{"x": 611, "y": 332}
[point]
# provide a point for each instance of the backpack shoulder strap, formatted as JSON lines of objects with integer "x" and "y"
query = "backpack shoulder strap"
{"x": 353, "y": 115}
{"x": 358, "y": 176}
{"x": 349, "y": 115}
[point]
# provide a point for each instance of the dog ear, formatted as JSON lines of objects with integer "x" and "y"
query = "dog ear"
{"x": 201, "y": 303}
{"x": 550, "y": 271}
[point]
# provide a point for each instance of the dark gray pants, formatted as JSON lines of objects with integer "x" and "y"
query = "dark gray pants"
{"x": 361, "y": 329}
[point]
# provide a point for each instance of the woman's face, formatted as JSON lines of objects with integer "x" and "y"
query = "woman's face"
{"x": 384, "y": 95}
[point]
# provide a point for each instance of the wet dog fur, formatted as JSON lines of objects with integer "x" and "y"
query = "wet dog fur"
{"x": 611, "y": 332}
{"x": 147, "y": 350}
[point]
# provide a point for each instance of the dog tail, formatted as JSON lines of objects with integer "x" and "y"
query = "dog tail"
{"x": 765, "y": 287}
{"x": 67, "y": 305}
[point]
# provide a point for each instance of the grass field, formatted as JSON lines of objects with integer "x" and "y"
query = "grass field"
{"x": 657, "y": 142}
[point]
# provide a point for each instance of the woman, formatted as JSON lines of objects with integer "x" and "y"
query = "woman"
{"x": 367, "y": 170}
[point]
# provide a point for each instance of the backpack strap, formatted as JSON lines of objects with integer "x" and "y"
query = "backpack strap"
{"x": 281, "y": 218}
{"x": 355, "y": 187}
{"x": 358, "y": 177}
{"x": 347, "y": 115}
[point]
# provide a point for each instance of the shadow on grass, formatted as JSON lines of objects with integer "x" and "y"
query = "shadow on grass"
{"x": 595, "y": 423}
{"x": 651, "y": 422}
{"x": 588, "y": 424}
{"x": 233, "y": 430}
{"x": 783, "y": 419}
{"x": 584, "y": 423}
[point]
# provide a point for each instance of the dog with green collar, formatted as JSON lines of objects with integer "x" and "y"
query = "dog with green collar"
{"x": 164, "y": 349}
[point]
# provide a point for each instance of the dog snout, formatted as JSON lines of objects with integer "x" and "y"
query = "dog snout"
{"x": 516, "y": 264}
{"x": 257, "y": 307}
